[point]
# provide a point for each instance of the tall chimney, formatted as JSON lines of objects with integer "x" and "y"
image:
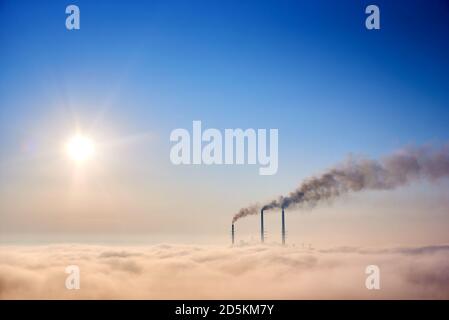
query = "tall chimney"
{"x": 262, "y": 237}
{"x": 232, "y": 233}
{"x": 283, "y": 226}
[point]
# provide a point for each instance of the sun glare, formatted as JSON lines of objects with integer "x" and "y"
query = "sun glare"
{"x": 80, "y": 148}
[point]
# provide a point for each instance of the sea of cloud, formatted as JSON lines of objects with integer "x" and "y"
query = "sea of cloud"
{"x": 167, "y": 271}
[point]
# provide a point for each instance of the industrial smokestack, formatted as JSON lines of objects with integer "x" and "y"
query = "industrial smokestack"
{"x": 232, "y": 233}
{"x": 262, "y": 231}
{"x": 283, "y": 226}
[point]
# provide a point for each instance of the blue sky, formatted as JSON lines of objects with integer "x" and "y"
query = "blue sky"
{"x": 308, "y": 68}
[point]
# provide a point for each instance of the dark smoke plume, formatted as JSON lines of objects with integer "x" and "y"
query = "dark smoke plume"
{"x": 358, "y": 174}
{"x": 248, "y": 211}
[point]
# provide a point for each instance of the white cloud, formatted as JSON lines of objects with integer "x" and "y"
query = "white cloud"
{"x": 247, "y": 272}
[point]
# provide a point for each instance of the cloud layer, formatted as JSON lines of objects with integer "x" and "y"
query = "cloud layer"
{"x": 205, "y": 272}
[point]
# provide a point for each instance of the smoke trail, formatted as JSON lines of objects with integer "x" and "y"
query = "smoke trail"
{"x": 358, "y": 174}
{"x": 248, "y": 211}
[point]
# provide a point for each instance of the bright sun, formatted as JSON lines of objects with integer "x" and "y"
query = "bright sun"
{"x": 80, "y": 148}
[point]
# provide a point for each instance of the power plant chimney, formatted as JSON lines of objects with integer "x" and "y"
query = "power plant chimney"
{"x": 232, "y": 233}
{"x": 262, "y": 232}
{"x": 283, "y": 226}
